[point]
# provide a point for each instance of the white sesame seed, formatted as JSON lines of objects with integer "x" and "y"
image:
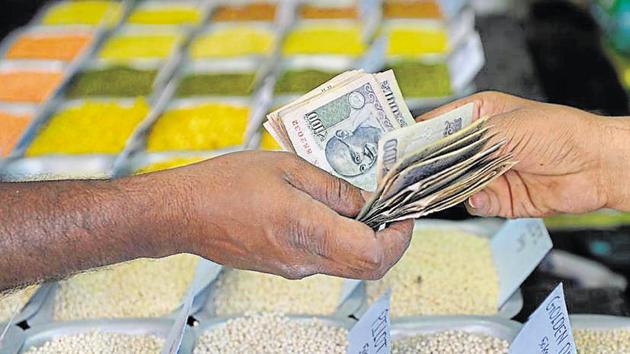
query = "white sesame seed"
{"x": 101, "y": 343}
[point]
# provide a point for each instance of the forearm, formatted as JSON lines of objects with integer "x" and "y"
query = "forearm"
{"x": 52, "y": 229}
{"x": 615, "y": 157}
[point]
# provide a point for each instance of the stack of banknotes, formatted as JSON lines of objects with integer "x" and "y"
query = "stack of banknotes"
{"x": 358, "y": 127}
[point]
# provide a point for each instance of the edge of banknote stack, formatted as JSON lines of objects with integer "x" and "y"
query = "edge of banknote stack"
{"x": 358, "y": 127}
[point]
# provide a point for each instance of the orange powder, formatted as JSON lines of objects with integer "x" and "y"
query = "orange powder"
{"x": 316, "y": 12}
{"x": 28, "y": 85}
{"x": 260, "y": 11}
{"x": 412, "y": 9}
{"x": 49, "y": 46}
{"x": 11, "y": 129}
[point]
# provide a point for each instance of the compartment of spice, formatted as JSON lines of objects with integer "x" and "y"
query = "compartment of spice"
{"x": 234, "y": 77}
{"x": 448, "y": 269}
{"x": 601, "y": 219}
{"x": 14, "y": 122}
{"x": 182, "y": 13}
{"x": 89, "y": 12}
{"x": 198, "y": 124}
{"x": 142, "y": 42}
{"x": 422, "y": 9}
{"x": 301, "y": 74}
{"x": 325, "y": 37}
{"x": 64, "y": 44}
{"x": 453, "y": 335}
{"x": 229, "y": 40}
{"x": 143, "y": 288}
{"x": 274, "y": 332}
{"x": 97, "y": 126}
{"x": 329, "y": 9}
{"x": 124, "y": 336}
{"x": 595, "y": 334}
{"x": 57, "y": 167}
{"x": 130, "y": 79}
{"x": 30, "y": 82}
{"x": 245, "y": 10}
{"x": 238, "y": 292}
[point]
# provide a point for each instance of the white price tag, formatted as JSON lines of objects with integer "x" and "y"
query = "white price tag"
{"x": 518, "y": 248}
{"x": 371, "y": 335}
{"x": 548, "y": 329}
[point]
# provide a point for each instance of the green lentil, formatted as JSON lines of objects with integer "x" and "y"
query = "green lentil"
{"x": 119, "y": 81}
{"x": 224, "y": 84}
{"x": 301, "y": 81}
{"x": 422, "y": 80}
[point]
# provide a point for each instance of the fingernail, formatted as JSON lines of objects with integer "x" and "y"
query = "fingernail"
{"x": 479, "y": 201}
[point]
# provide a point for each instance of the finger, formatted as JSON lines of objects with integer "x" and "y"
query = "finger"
{"x": 394, "y": 240}
{"x": 486, "y": 104}
{"x": 337, "y": 194}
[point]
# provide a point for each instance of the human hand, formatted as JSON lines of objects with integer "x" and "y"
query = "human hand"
{"x": 566, "y": 162}
{"x": 274, "y": 212}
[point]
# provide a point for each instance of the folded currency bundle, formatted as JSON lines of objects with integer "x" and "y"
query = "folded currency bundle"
{"x": 358, "y": 127}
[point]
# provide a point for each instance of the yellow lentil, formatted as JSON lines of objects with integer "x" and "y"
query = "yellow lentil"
{"x": 168, "y": 164}
{"x": 91, "y": 127}
{"x": 208, "y": 126}
{"x": 444, "y": 272}
{"x": 416, "y": 41}
{"x": 166, "y": 15}
{"x": 325, "y": 39}
{"x": 233, "y": 41}
{"x": 130, "y": 46}
{"x": 267, "y": 142}
{"x": 140, "y": 288}
{"x": 84, "y": 13}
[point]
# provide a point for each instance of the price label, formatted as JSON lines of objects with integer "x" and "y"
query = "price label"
{"x": 518, "y": 248}
{"x": 371, "y": 335}
{"x": 548, "y": 329}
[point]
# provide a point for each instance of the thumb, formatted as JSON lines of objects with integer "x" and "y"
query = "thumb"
{"x": 337, "y": 194}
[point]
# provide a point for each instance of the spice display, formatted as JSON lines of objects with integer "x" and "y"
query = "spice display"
{"x": 208, "y": 126}
{"x": 413, "y": 41}
{"x": 88, "y": 12}
{"x": 233, "y": 41}
{"x": 254, "y": 11}
{"x": 240, "y": 292}
{"x": 13, "y": 302}
{"x": 267, "y": 142}
{"x": 115, "y": 81}
{"x": 140, "y": 288}
{"x": 91, "y": 127}
{"x": 412, "y": 9}
{"x": 139, "y": 46}
{"x": 12, "y": 127}
{"x": 603, "y": 219}
{"x": 314, "y": 11}
{"x": 217, "y": 83}
{"x": 417, "y": 79}
{"x": 49, "y": 46}
{"x": 301, "y": 81}
{"x": 273, "y": 334}
{"x": 602, "y": 341}
{"x": 168, "y": 164}
{"x": 450, "y": 342}
{"x": 331, "y": 38}
{"x": 28, "y": 86}
{"x": 175, "y": 14}
{"x": 444, "y": 272}
{"x": 101, "y": 342}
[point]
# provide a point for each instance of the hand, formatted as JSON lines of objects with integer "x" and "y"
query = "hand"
{"x": 273, "y": 212}
{"x": 563, "y": 156}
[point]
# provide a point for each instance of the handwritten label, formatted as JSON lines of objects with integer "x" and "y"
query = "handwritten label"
{"x": 518, "y": 248}
{"x": 371, "y": 335}
{"x": 548, "y": 329}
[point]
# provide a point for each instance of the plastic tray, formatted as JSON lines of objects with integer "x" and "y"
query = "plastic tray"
{"x": 490, "y": 326}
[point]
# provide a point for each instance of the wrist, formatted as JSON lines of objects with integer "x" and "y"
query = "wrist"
{"x": 614, "y": 156}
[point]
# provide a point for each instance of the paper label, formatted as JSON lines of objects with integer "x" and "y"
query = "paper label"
{"x": 466, "y": 62}
{"x": 371, "y": 335}
{"x": 517, "y": 249}
{"x": 548, "y": 329}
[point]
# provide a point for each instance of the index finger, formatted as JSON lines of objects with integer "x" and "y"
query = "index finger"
{"x": 486, "y": 104}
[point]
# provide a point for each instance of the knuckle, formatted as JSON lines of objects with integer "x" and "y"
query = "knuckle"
{"x": 372, "y": 259}
{"x": 294, "y": 272}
